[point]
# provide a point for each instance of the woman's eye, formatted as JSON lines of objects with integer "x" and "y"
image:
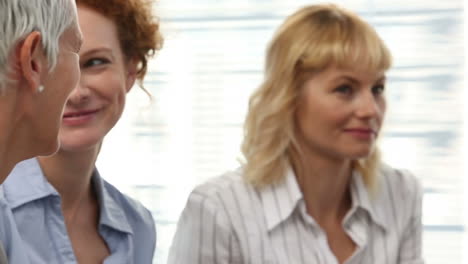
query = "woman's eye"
{"x": 95, "y": 62}
{"x": 344, "y": 89}
{"x": 378, "y": 89}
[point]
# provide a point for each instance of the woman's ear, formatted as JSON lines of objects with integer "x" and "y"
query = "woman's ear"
{"x": 132, "y": 66}
{"x": 31, "y": 60}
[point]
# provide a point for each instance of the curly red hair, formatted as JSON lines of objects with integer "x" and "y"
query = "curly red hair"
{"x": 138, "y": 30}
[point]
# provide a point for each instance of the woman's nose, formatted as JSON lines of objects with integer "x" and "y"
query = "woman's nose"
{"x": 368, "y": 106}
{"x": 80, "y": 94}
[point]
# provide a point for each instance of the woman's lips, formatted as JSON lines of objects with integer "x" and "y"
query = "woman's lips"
{"x": 361, "y": 133}
{"x": 78, "y": 118}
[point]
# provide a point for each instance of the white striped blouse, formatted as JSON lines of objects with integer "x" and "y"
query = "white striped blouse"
{"x": 226, "y": 221}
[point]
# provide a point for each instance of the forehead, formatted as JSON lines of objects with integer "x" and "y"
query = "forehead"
{"x": 97, "y": 29}
{"x": 358, "y": 74}
{"x": 72, "y": 37}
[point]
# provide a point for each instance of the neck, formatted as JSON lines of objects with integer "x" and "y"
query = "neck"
{"x": 6, "y": 162}
{"x": 14, "y": 138}
{"x": 70, "y": 174}
{"x": 325, "y": 187}
{"x": 15, "y": 147}
{"x": 5, "y": 168}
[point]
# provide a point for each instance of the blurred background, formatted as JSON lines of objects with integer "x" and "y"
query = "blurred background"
{"x": 212, "y": 61}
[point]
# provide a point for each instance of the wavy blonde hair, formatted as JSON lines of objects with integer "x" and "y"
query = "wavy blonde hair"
{"x": 310, "y": 40}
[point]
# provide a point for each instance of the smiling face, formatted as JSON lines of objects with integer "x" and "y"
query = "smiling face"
{"x": 97, "y": 103}
{"x": 340, "y": 113}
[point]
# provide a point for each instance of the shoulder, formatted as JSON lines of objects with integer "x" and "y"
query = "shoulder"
{"x": 220, "y": 183}
{"x": 5, "y": 219}
{"x": 224, "y": 190}
{"x": 26, "y": 183}
{"x": 137, "y": 214}
{"x": 128, "y": 215}
{"x": 211, "y": 221}
{"x": 399, "y": 196}
{"x": 10, "y": 239}
{"x": 227, "y": 199}
{"x": 400, "y": 182}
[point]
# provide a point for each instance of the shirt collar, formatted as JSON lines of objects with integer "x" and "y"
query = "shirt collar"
{"x": 112, "y": 213}
{"x": 361, "y": 198}
{"x": 27, "y": 183}
{"x": 281, "y": 199}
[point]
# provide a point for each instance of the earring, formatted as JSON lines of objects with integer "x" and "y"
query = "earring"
{"x": 40, "y": 88}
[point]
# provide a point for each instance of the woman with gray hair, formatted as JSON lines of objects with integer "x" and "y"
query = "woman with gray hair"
{"x": 65, "y": 200}
{"x": 312, "y": 189}
{"x": 39, "y": 67}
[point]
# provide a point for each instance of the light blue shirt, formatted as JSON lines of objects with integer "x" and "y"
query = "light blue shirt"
{"x": 3, "y": 259}
{"x": 10, "y": 239}
{"x": 126, "y": 226}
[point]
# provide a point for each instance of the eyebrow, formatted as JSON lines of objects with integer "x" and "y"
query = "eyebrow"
{"x": 383, "y": 78}
{"x": 349, "y": 78}
{"x": 356, "y": 81}
{"x": 99, "y": 50}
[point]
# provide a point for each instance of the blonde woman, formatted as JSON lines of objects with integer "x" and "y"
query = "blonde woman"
{"x": 312, "y": 189}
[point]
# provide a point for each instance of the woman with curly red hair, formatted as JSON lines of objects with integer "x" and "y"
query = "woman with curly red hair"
{"x": 65, "y": 211}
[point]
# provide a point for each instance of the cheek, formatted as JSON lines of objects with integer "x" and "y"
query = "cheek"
{"x": 120, "y": 92}
{"x": 117, "y": 109}
{"x": 308, "y": 121}
{"x": 117, "y": 97}
{"x": 383, "y": 108}
{"x": 112, "y": 87}
{"x": 63, "y": 84}
{"x": 324, "y": 112}
{"x": 121, "y": 103}
{"x": 70, "y": 66}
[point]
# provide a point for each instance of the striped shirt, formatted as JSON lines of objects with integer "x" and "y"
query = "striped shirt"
{"x": 227, "y": 221}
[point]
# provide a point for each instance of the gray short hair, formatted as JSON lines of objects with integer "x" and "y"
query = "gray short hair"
{"x": 18, "y": 18}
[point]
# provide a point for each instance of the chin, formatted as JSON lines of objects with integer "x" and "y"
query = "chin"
{"x": 77, "y": 140}
{"x": 359, "y": 153}
{"x": 78, "y": 146}
{"x": 360, "y": 156}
